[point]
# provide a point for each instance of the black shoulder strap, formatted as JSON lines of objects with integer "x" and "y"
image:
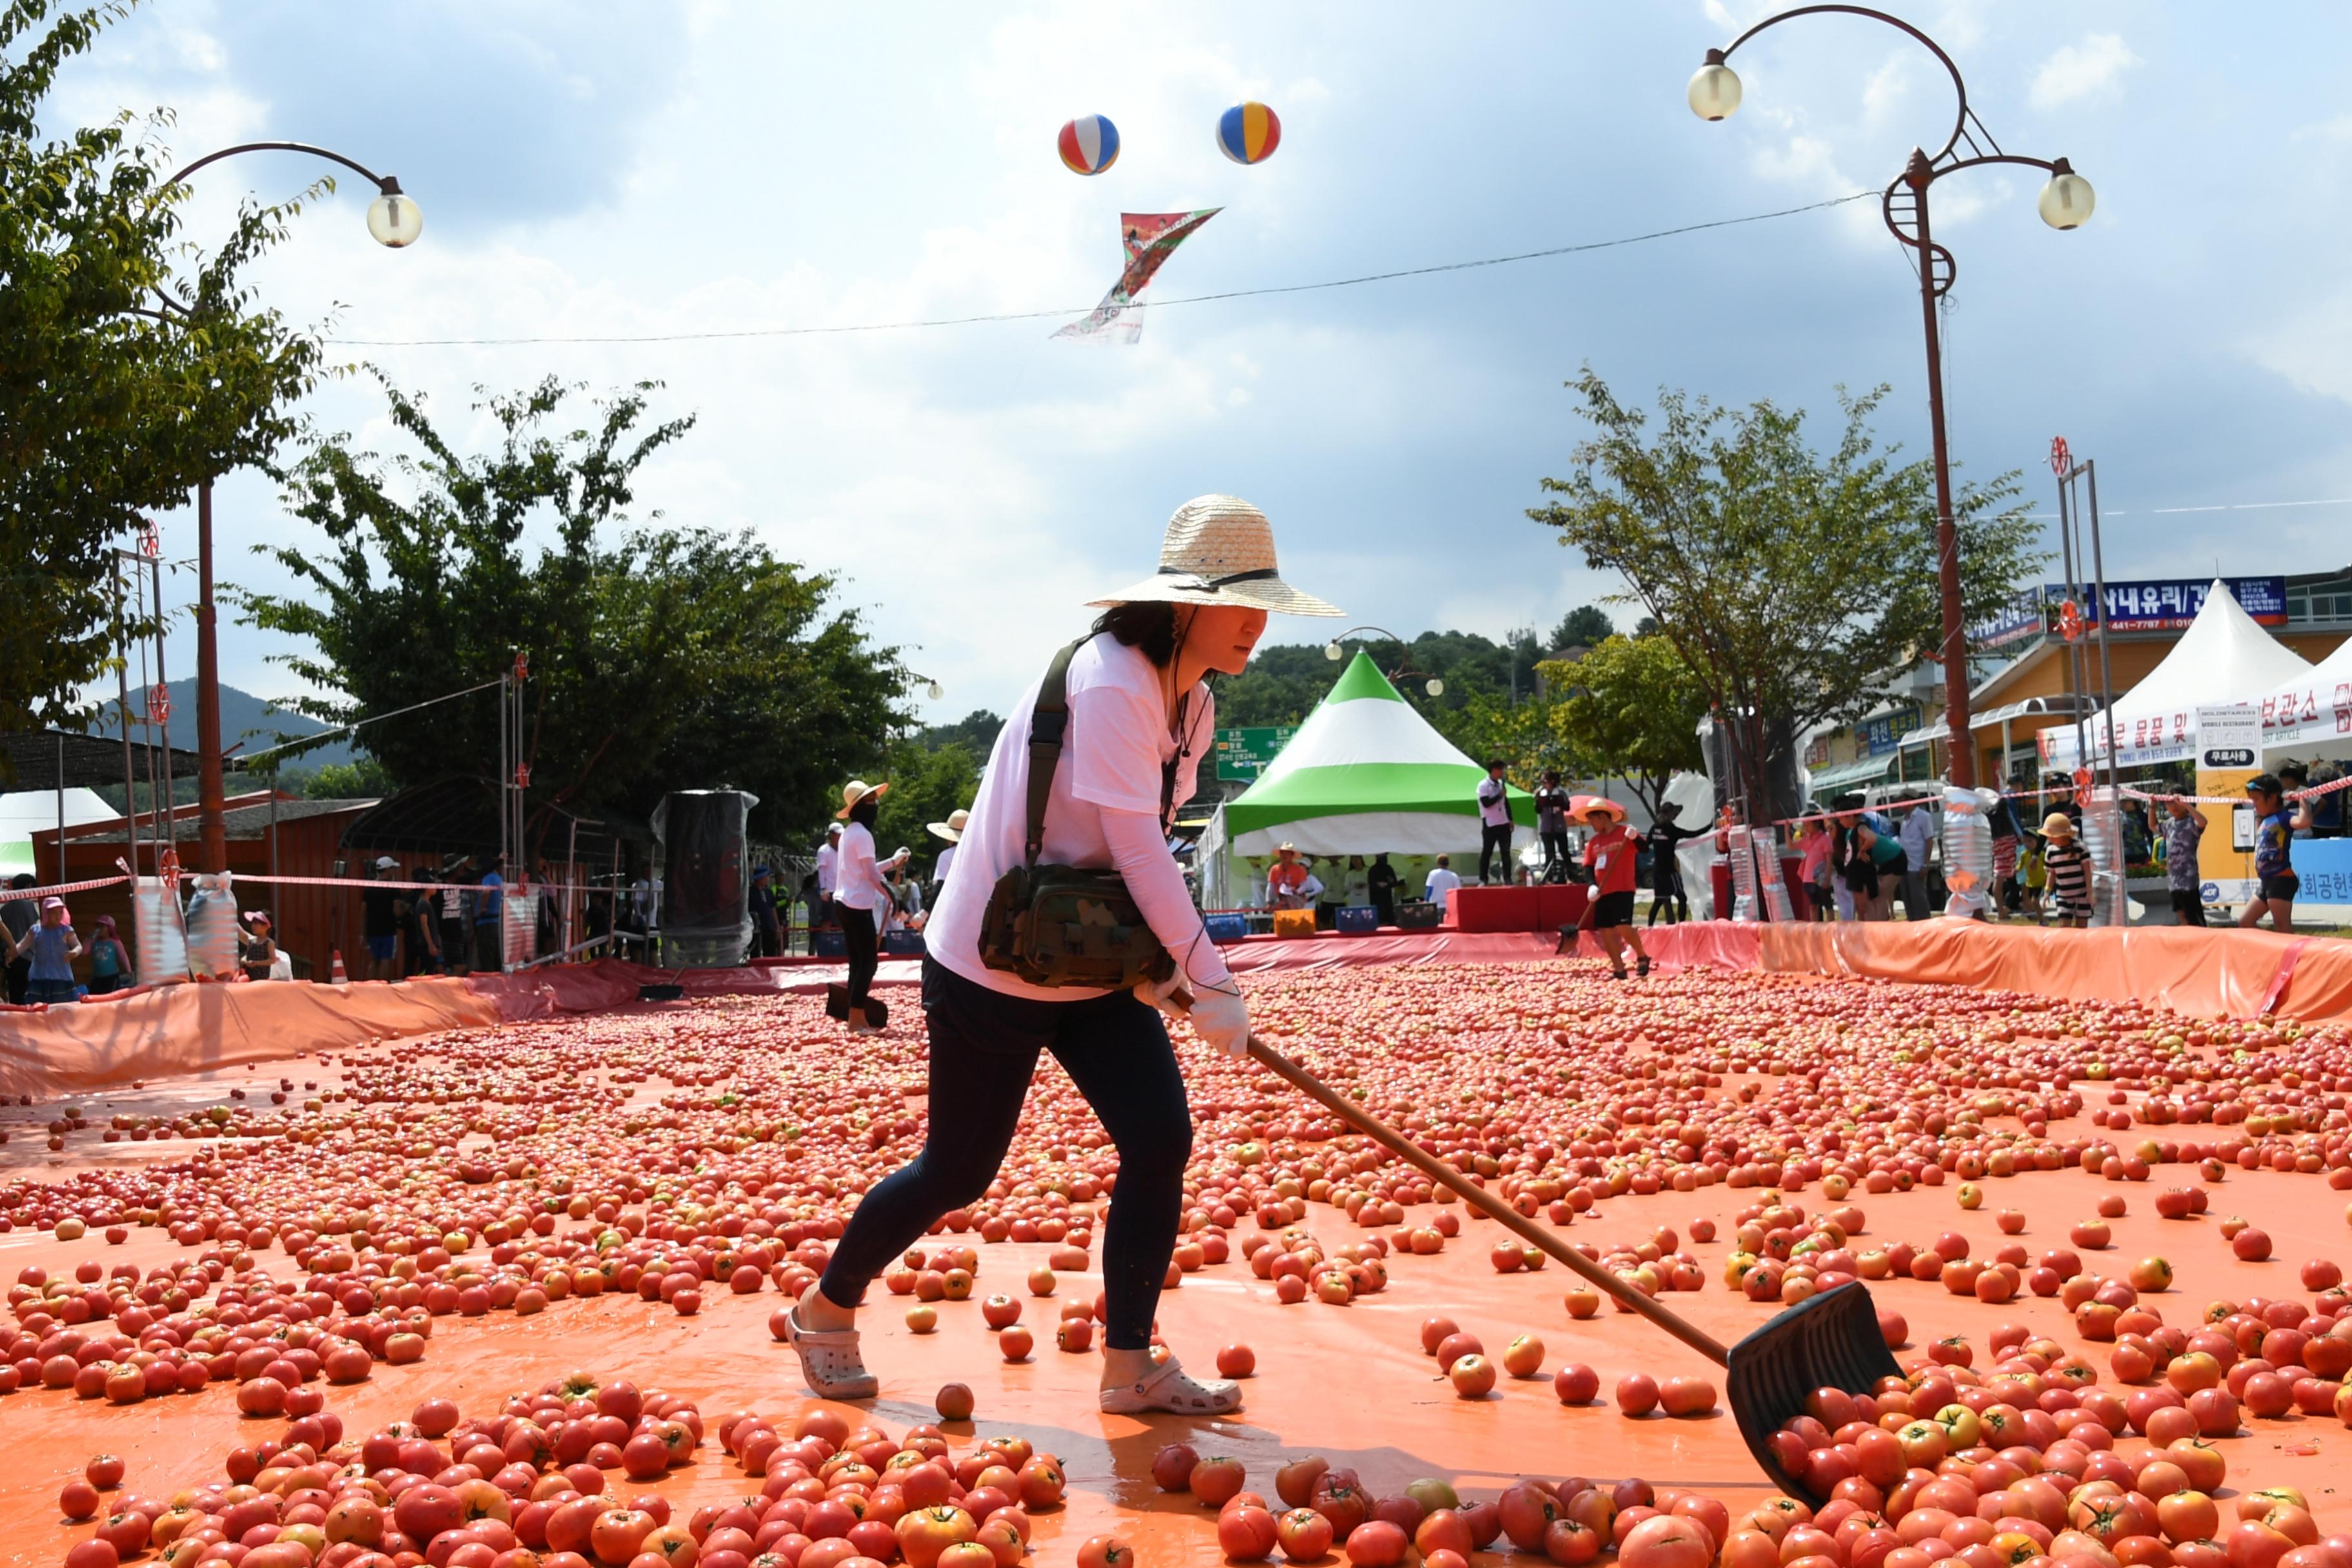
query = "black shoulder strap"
{"x": 1047, "y": 722}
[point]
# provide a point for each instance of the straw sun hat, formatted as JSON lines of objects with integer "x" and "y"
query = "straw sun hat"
{"x": 854, "y": 790}
{"x": 2057, "y": 824}
{"x": 1598, "y": 806}
{"x": 952, "y": 828}
{"x": 1219, "y": 551}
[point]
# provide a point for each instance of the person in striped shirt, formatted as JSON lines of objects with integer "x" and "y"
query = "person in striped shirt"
{"x": 2068, "y": 866}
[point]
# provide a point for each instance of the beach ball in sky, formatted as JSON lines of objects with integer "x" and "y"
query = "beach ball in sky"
{"x": 1248, "y": 132}
{"x": 1089, "y": 144}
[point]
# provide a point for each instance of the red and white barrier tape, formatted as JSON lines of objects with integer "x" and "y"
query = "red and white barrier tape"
{"x": 10, "y": 895}
{"x": 363, "y": 883}
{"x": 2313, "y": 793}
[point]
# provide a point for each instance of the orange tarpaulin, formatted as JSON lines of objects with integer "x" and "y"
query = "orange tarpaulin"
{"x": 190, "y": 1028}
{"x": 193, "y": 1029}
{"x": 2213, "y": 974}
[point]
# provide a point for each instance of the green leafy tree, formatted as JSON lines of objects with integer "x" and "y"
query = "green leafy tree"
{"x": 1796, "y": 586}
{"x": 1586, "y": 625}
{"x": 926, "y": 784}
{"x": 659, "y": 659}
{"x": 1629, "y": 709}
{"x": 123, "y": 380}
{"x": 359, "y": 779}
{"x": 1526, "y": 734}
{"x": 976, "y": 731}
{"x": 348, "y": 781}
{"x": 1286, "y": 680}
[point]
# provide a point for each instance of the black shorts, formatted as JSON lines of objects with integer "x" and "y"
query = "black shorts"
{"x": 1612, "y": 910}
{"x": 2283, "y": 886}
{"x": 2188, "y": 901}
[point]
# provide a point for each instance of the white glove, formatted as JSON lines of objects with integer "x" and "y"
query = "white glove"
{"x": 1222, "y": 1018}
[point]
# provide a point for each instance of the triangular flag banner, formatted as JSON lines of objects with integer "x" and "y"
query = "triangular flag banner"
{"x": 1150, "y": 239}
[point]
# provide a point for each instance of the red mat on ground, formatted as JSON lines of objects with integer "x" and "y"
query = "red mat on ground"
{"x": 2224, "y": 973}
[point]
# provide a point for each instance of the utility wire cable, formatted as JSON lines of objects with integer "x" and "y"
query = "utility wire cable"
{"x": 739, "y": 333}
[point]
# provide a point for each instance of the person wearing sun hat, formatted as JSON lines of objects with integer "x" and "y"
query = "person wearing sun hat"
{"x": 1138, "y": 725}
{"x": 2068, "y": 866}
{"x": 953, "y": 831}
{"x": 256, "y": 945}
{"x": 1613, "y": 855}
{"x": 861, "y": 898}
{"x": 48, "y": 950}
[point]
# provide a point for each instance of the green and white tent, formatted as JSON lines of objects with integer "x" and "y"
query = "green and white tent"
{"x": 1365, "y": 775}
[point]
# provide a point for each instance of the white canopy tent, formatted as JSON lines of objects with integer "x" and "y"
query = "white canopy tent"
{"x": 23, "y": 813}
{"x": 2314, "y": 713}
{"x": 2223, "y": 657}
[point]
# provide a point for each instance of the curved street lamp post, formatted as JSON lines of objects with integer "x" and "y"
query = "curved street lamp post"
{"x": 1333, "y": 651}
{"x": 395, "y": 223}
{"x": 2065, "y": 203}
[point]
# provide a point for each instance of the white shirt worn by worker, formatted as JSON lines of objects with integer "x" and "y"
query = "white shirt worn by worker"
{"x": 862, "y": 886}
{"x": 945, "y": 860}
{"x": 1302, "y": 896}
{"x": 1440, "y": 885}
{"x": 1494, "y": 803}
{"x": 1103, "y": 812}
{"x": 828, "y": 866}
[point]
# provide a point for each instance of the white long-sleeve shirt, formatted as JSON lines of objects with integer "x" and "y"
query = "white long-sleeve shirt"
{"x": 1104, "y": 810}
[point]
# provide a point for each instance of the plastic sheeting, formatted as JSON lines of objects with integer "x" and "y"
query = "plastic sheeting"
{"x": 159, "y": 937}
{"x": 190, "y": 1027}
{"x": 211, "y": 924}
{"x": 2103, "y": 836}
{"x": 1968, "y": 850}
{"x": 706, "y": 913}
{"x": 2210, "y": 973}
{"x": 1347, "y": 1383}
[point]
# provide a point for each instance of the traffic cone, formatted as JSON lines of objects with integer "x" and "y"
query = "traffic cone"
{"x": 335, "y": 974}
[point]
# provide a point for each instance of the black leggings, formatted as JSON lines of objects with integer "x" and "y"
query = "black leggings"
{"x": 1495, "y": 839}
{"x": 1668, "y": 897}
{"x": 857, "y": 936}
{"x": 984, "y": 1050}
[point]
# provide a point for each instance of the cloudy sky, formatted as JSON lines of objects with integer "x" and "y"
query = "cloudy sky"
{"x": 592, "y": 169}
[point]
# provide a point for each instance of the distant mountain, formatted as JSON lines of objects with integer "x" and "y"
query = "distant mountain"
{"x": 244, "y": 717}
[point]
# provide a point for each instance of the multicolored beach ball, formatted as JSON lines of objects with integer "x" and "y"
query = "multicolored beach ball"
{"x": 1248, "y": 132}
{"x": 1089, "y": 144}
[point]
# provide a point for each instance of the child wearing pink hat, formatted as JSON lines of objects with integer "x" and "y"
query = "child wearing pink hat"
{"x": 49, "y": 948}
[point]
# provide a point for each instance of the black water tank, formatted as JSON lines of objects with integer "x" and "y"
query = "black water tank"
{"x": 706, "y": 879}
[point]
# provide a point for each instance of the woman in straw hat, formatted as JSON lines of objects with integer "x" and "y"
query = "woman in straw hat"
{"x": 953, "y": 831}
{"x": 1140, "y": 727}
{"x": 861, "y": 896}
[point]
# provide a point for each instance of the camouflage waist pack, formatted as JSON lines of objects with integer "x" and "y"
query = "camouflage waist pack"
{"x": 1058, "y": 926}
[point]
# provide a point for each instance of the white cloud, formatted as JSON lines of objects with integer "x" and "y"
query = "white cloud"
{"x": 2312, "y": 348}
{"x": 2336, "y": 130}
{"x": 2092, "y": 68}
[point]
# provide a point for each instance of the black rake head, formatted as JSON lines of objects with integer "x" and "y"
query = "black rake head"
{"x": 1833, "y": 1341}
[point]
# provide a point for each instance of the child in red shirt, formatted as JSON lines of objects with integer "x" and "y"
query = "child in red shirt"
{"x": 1611, "y": 855}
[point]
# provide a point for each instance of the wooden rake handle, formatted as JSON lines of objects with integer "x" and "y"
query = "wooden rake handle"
{"x": 1476, "y": 1197}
